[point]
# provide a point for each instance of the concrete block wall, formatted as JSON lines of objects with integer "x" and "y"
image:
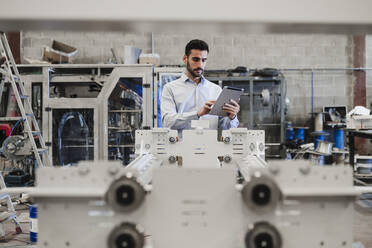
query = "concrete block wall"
{"x": 93, "y": 47}
{"x": 330, "y": 88}
{"x": 228, "y": 51}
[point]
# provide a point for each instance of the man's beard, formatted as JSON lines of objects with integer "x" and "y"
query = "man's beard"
{"x": 193, "y": 73}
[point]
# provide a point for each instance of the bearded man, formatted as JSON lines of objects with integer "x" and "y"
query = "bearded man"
{"x": 191, "y": 97}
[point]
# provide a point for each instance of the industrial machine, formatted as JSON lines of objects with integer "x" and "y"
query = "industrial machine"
{"x": 199, "y": 146}
{"x": 184, "y": 193}
{"x": 262, "y": 106}
{"x": 186, "y": 207}
{"x": 90, "y": 112}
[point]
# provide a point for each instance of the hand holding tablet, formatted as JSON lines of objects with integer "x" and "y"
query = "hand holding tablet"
{"x": 225, "y": 101}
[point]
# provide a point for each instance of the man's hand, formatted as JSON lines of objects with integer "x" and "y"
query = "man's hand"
{"x": 232, "y": 109}
{"x": 206, "y": 108}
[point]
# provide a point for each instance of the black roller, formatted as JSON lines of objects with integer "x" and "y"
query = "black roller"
{"x": 263, "y": 235}
{"x": 126, "y": 235}
{"x": 261, "y": 193}
{"x": 125, "y": 194}
{"x": 263, "y": 240}
{"x": 125, "y": 240}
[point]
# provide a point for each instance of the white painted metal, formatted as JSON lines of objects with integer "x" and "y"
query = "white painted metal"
{"x": 98, "y": 104}
{"x": 141, "y": 71}
{"x": 246, "y": 164}
{"x": 144, "y": 165}
{"x": 190, "y": 207}
{"x": 158, "y": 16}
{"x": 199, "y": 148}
{"x": 63, "y": 103}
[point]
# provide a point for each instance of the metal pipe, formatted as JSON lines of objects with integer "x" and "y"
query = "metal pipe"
{"x": 312, "y": 91}
{"x": 326, "y": 69}
{"x": 152, "y": 43}
{"x": 363, "y": 189}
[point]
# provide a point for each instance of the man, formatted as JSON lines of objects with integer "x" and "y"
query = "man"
{"x": 191, "y": 97}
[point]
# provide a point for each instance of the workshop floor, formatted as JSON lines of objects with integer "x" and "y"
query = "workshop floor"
{"x": 12, "y": 239}
{"x": 362, "y": 229}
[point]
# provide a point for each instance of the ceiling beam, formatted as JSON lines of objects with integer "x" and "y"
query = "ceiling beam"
{"x": 266, "y": 16}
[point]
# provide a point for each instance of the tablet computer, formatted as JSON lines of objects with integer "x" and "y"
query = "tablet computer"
{"x": 227, "y": 93}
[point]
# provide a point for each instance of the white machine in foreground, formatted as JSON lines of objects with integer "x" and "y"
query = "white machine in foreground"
{"x": 199, "y": 147}
{"x": 193, "y": 203}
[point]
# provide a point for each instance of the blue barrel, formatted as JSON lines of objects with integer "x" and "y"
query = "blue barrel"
{"x": 317, "y": 139}
{"x": 300, "y": 133}
{"x": 289, "y": 133}
{"x": 339, "y": 138}
{"x": 33, "y": 223}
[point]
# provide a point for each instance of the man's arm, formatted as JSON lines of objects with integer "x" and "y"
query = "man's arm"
{"x": 170, "y": 117}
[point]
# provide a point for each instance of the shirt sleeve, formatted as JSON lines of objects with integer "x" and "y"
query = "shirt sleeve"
{"x": 170, "y": 117}
{"x": 226, "y": 123}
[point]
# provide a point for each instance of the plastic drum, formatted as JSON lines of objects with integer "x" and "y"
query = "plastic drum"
{"x": 33, "y": 223}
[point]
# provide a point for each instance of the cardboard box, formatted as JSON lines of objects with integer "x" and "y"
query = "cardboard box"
{"x": 150, "y": 58}
{"x": 59, "y": 53}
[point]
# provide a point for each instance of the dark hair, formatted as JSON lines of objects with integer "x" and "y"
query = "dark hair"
{"x": 196, "y": 44}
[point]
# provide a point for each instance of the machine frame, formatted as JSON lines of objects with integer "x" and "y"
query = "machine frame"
{"x": 99, "y": 104}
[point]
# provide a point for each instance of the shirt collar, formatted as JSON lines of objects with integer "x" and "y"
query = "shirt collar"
{"x": 185, "y": 79}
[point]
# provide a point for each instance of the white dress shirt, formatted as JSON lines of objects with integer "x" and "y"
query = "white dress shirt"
{"x": 182, "y": 98}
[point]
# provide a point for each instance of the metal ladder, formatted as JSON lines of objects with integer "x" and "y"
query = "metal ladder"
{"x": 31, "y": 128}
{"x": 10, "y": 214}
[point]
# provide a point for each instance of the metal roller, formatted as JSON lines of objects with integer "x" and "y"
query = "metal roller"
{"x": 144, "y": 165}
{"x": 265, "y": 94}
{"x": 125, "y": 194}
{"x": 261, "y": 193}
{"x": 126, "y": 235}
{"x": 263, "y": 235}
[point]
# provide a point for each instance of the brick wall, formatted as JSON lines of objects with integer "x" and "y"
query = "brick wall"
{"x": 369, "y": 72}
{"x": 369, "y": 83}
{"x": 229, "y": 51}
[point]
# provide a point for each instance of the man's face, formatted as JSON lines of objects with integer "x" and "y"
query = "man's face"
{"x": 196, "y": 62}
